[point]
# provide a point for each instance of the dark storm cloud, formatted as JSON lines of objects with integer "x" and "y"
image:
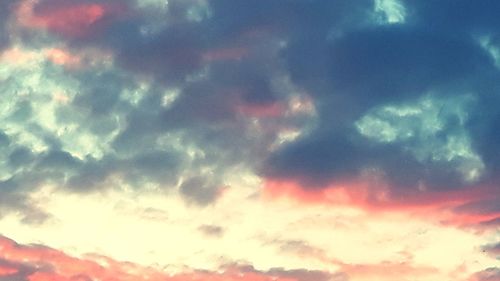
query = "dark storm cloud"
{"x": 171, "y": 55}
{"x": 175, "y": 48}
{"x": 373, "y": 65}
{"x": 224, "y": 61}
{"x": 387, "y": 64}
{"x": 456, "y": 16}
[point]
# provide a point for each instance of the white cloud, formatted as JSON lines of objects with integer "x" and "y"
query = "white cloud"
{"x": 393, "y": 11}
{"x": 422, "y": 128}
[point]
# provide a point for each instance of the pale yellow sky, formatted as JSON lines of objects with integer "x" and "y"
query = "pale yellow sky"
{"x": 149, "y": 228}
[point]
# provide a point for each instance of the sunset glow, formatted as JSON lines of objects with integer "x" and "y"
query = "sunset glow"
{"x": 252, "y": 140}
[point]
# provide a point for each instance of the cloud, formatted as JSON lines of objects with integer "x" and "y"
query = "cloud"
{"x": 490, "y": 274}
{"x": 211, "y": 230}
{"x": 38, "y": 263}
{"x": 461, "y": 16}
{"x": 69, "y": 19}
{"x": 386, "y": 95}
{"x": 298, "y": 274}
{"x": 373, "y": 67}
{"x": 172, "y": 95}
{"x": 493, "y": 250}
{"x": 384, "y": 106}
{"x": 59, "y": 127}
{"x": 199, "y": 190}
{"x": 5, "y": 10}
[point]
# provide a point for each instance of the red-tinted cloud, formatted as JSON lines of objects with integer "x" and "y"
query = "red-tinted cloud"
{"x": 375, "y": 197}
{"x": 40, "y": 263}
{"x": 7, "y": 270}
{"x": 70, "y": 19}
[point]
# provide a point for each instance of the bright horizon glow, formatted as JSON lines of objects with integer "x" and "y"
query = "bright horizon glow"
{"x": 261, "y": 233}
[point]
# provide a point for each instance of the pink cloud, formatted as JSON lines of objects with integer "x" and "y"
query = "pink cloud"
{"x": 67, "y": 18}
{"x": 47, "y": 264}
{"x": 378, "y": 197}
{"x": 7, "y": 270}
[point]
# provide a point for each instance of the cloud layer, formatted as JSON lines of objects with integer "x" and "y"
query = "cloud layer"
{"x": 40, "y": 263}
{"x": 147, "y": 91}
{"x": 380, "y": 105}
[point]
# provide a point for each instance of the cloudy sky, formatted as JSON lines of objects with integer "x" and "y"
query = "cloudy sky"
{"x": 252, "y": 140}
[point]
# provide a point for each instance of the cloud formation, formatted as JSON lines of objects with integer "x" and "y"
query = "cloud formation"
{"x": 381, "y": 105}
{"x": 40, "y": 263}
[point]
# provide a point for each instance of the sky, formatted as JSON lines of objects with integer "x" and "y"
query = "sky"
{"x": 249, "y": 140}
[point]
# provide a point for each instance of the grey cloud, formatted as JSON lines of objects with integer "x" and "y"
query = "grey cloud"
{"x": 356, "y": 68}
{"x": 489, "y": 274}
{"x": 102, "y": 92}
{"x": 72, "y": 144}
{"x": 4, "y": 139}
{"x": 493, "y": 250}
{"x": 372, "y": 66}
{"x": 310, "y": 275}
{"x": 58, "y": 160}
{"x": 199, "y": 190}
{"x": 211, "y": 230}
{"x": 482, "y": 207}
{"x": 92, "y": 175}
{"x": 298, "y": 274}
{"x": 21, "y": 156}
{"x": 22, "y": 271}
{"x": 5, "y": 10}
